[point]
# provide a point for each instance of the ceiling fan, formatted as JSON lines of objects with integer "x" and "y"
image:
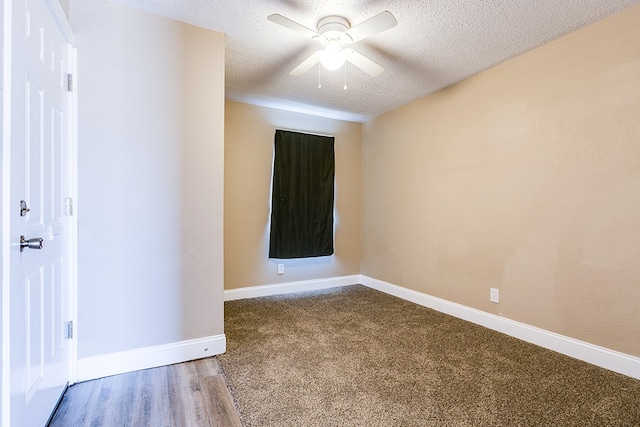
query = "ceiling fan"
{"x": 334, "y": 33}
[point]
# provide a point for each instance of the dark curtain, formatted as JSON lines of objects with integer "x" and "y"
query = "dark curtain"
{"x": 302, "y": 196}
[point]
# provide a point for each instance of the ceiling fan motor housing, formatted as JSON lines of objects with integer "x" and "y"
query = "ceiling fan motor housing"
{"x": 333, "y": 28}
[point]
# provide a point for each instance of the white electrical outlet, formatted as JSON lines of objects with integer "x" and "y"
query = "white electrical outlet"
{"x": 494, "y": 295}
{"x": 280, "y": 268}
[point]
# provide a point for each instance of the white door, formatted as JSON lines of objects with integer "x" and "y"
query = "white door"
{"x": 40, "y": 176}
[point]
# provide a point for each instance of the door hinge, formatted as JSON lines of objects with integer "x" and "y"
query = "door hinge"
{"x": 68, "y": 206}
{"x": 70, "y": 329}
{"x": 70, "y": 82}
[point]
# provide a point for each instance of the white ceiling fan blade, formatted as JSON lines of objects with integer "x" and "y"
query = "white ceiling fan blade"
{"x": 374, "y": 25}
{"x": 306, "y": 65}
{"x": 292, "y": 25}
{"x": 364, "y": 63}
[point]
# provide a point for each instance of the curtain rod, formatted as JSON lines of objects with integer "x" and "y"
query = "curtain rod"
{"x": 308, "y": 133}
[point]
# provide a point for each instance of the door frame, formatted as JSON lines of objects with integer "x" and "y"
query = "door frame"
{"x": 61, "y": 20}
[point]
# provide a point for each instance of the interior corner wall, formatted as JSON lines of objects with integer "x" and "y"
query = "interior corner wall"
{"x": 151, "y": 152}
{"x": 524, "y": 178}
{"x": 249, "y": 139}
{"x": 65, "y": 6}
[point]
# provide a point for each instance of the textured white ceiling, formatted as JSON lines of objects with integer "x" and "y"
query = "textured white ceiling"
{"x": 436, "y": 44}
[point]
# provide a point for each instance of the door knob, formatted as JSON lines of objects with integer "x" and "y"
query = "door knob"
{"x": 35, "y": 243}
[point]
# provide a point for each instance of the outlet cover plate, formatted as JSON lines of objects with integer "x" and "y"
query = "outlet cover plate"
{"x": 494, "y": 295}
{"x": 280, "y": 268}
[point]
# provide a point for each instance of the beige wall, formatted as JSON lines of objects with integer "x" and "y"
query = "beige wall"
{"x": 525, "y": 178}
{"x": 249, "y": 133}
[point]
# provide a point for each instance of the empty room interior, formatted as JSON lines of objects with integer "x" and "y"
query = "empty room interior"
{"x": 487, "y": 169}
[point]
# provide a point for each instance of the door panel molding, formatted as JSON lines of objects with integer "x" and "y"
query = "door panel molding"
{"x": 34, "y": 308}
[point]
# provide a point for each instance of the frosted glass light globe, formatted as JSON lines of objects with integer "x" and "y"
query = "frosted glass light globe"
{"x": 332, "y": 58}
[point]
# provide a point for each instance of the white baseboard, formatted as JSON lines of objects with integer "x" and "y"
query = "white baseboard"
{"x": 596, "y": 355}
{"x": 90, "y": 368}
{"x": 289, "y": 287}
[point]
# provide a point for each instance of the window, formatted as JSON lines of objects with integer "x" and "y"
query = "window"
{"x": 302, "y": 196}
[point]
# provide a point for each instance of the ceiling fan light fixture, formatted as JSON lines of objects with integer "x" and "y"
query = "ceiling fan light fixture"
{"x": 332, "y": 57}
{"x": 334, "y": 33}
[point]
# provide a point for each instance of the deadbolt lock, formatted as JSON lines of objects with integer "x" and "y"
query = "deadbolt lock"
{"x": 23, "y": 208}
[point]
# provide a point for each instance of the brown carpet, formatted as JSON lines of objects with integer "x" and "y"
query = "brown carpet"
{"x": 353, "y": 356}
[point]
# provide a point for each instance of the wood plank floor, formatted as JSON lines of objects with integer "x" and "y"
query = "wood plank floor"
{"x": 186, "y": 394}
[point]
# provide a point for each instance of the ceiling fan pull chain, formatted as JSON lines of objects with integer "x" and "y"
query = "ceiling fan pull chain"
{"x": 345, "y": 76}
{"x": 319, "y": 84}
